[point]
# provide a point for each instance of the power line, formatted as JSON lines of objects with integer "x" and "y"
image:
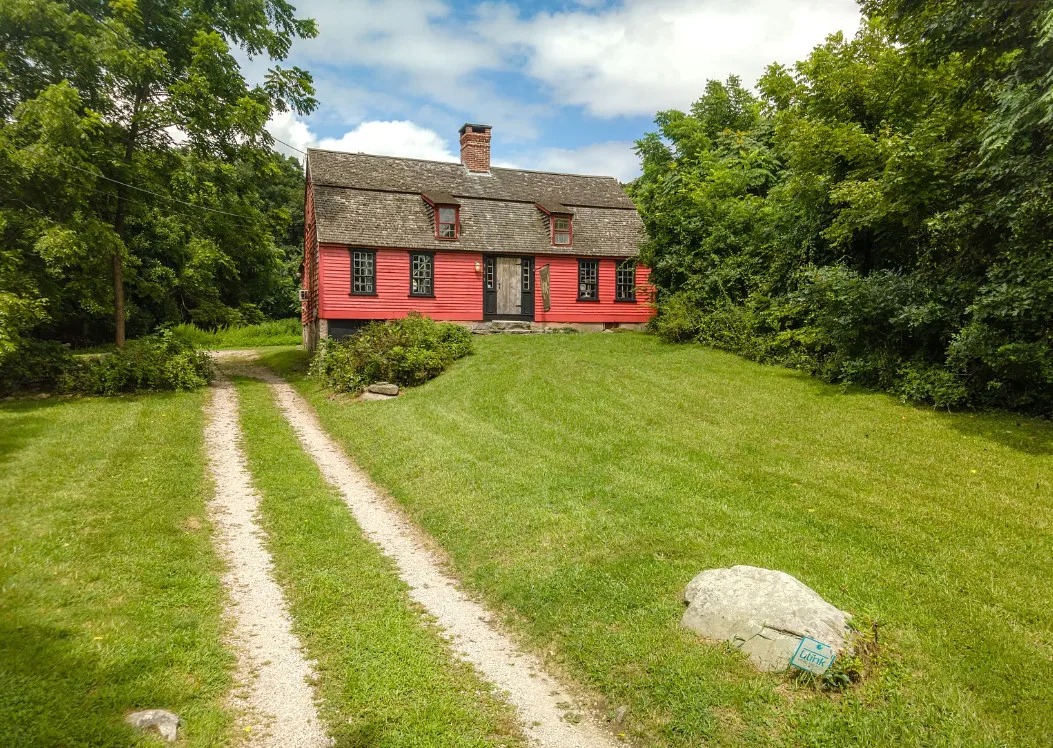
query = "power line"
{"x": 287, "y": 145}
{"x": 158, "y": 194}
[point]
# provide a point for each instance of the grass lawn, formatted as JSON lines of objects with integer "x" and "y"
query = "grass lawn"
{"x": 386, "y": 678}
{"x": 110, "y": 598}
{"x": 579, "y": 482}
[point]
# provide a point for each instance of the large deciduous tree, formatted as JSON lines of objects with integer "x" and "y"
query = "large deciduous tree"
{"x": 133, "y": 150}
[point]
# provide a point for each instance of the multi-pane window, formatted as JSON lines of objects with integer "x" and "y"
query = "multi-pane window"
{"x": 363, "y": 272}
{"x": 588, "y": 280}
{"x": 422, "y": 274}
{"x": 561, "y": 230}
{"x": 527, "y": 275}
{"x": 446, "y": 223}
{"x": 625, "y": 281}
{"x": 490, "y": 273}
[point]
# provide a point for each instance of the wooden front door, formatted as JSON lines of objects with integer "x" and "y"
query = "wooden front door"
{"x": 509, "y": 287}
{"x": 508, "y": 291}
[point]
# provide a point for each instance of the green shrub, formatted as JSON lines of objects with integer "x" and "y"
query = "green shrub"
{"x": 34, "y": 366}
{"x": 406, "y": 352}
{"x": 156, "y": 362}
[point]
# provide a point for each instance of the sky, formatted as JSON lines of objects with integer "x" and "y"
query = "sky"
{"x": 567, "y": 86}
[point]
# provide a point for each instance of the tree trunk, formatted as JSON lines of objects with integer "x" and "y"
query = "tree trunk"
{"x": 118, "y": 298}
{"x": 118, "y": 221}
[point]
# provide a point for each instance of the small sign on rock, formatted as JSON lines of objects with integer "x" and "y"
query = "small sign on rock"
{"x": 812, "y": 655}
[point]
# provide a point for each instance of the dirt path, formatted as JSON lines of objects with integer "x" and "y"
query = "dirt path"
{"x": 273, "y": 692}
{"x": 545, "y": 707}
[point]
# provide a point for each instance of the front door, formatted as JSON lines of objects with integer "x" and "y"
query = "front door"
{"x": 508, "y": 288}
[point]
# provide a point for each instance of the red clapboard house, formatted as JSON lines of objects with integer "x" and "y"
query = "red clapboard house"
{"x": 466, "y": 243}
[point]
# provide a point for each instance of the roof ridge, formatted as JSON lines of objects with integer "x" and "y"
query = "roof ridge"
{"x": 458, "y": 163}
{"x": 380, "y": 155}
{"x": 461, "y": 195}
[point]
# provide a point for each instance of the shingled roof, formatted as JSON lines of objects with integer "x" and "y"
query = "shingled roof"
{"x": 366, "y": 200}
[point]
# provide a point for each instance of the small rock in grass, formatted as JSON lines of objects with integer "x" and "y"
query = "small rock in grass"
{"x": 383, "y": 388}
{"x": 163, "y": 721}
{"x": 764, "y": 613}
{"x": 375, "y": 396}
{"x": 619, "y": 715}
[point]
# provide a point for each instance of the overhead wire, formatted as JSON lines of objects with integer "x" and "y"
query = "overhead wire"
{"x": 168, "y": 198}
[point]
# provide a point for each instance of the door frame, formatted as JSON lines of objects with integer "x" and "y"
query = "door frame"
{"x": 489, "y": 299}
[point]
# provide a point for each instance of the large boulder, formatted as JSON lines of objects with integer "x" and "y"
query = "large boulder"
{"x": 764, "y": 613}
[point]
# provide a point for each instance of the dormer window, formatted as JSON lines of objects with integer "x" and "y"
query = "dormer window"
{"x": 446, "y": 222}
{"x": 446, "y": 214}
{"x": 561, "y": 231}
{"x": 559, "y": 219}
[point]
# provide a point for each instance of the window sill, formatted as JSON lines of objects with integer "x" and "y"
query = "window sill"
{"x": 625, "y": 301}
{"x": 420, "y": 296}
{"x": 362, "y": 293}
{"x": 447, "y": 238}
{"x": 589, "y": 301}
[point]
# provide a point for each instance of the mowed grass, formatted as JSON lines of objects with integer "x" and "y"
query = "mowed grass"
{"x": 284, "y": 332}
{"x": 579, "y": 482}
{"x": 386, "y": 679}
{"x": 110, "y": 597}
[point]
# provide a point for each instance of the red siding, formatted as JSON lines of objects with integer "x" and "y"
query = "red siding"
{"x": 459, "y": 289}
{"x": 563, "y": 292}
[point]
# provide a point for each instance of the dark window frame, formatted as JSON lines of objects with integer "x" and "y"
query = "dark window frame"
{"x": 582, "y": 263}
{"x": 372, "y": 255}
{"x": 625, "y": 293}
{"x": 456, "y": 225}
{"x": 430, "y": 294}
{"x": 569, "y": 230}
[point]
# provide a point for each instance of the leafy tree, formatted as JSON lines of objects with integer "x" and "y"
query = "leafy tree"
{"x": 880, "y": 214}
{"x": 133, "y": 150}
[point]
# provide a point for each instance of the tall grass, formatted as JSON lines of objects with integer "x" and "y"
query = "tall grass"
{"x": 276, "y": 332}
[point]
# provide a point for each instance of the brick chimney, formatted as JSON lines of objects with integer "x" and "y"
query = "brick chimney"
{"x": 475, "y": 147}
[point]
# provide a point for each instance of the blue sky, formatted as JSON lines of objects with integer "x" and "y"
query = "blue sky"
{"x": 567, "y": 86}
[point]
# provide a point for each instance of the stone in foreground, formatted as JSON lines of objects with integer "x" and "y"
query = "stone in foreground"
{"x": 164, "y": 722}
{"x": 383, "y": 388}
{"x": 764, "y": 613}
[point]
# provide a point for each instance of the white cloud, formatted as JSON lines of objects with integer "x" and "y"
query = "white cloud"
{"x": 288, "y": 127}
{"x": 398, "y": 138}
{"x": 611, "y": 159}
{"x": 648, "y": 55}
{"x": 373, "y": 57}
{"x": 394, "y": 138}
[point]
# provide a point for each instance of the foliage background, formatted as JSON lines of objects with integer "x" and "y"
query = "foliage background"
{"x": 137, "y": 183}
{"x": 880, "y": 214}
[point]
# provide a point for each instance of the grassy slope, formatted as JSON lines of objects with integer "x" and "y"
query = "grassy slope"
{"x": 109, "y": 594}
{"x": 277, "y": 332}
{"x": 580, "y": 481}
{"x": 386, "y": 680}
